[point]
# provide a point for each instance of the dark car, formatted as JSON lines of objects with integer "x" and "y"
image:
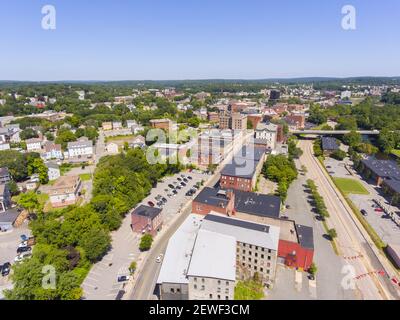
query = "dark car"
{"x": 5, "y": 269}
{"x": 189, "y": 193}
{"x": 151, "y": 204}
{"x": 189, "y": 177}
{"x": 178, "y": 187}
{"x": 174, "y": 191}
{"x": 196, "y": 186}
{"x": 120, "y": 295}
{"x": 23, "y": 237}
{"x": 183, "y": 184}
{"x": 363, "y": 212}
{"x": 123, "y": 278}
{"x": 24, "y": 249}
{"x": 179, "y": 179}
{"x": 164, "y": 200}
{"x": 185, "y": 180}
{"x": 171, "y": 186}
{"x": 160, "y": 204}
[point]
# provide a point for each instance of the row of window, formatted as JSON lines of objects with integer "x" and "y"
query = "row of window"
{"x": 203, "y": 288}
{"x": 256, "y": 268}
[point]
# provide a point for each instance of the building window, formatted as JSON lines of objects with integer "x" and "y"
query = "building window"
{"x": 219, "y": 290}
{"x": 178, "y": 290}
{"x": 226, "y": 298}
{"x": 172, "y": 290}
{"x": 203, "y": 288}
{"x": 202, "y": 280}
{"x": 244, "y": 251}
{"x": 219, "y": 281}
{"x": 250, "y": 253}
{"x": 256, "y": 254}
{"x": 195, "y": 279}
{"x": 219, "y": 297}
{"x": 269, "y": 257}
{"x": 195, "y": 286}
{"x": 262, "y": 256}
{"x": 227, "y": 283}
{"x": 255, "y": 268}
{"x": 261, "y": 269}
{"x": 211, "y": 296}
{"x": 256, "y": 261}
{"x": 226, "y": 290}
{"x": 249, "y": 259}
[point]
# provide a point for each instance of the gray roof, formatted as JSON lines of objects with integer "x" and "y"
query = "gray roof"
{"x": 246, "y": 170}
{"x": 52, "y": 165}
{"x": 250, "y": 152}
{"x": 212, "y": 197}
{"x": 257, "y": 204}
{"x": 383, "y": 168}
{"x": 394, "y": 184}
{"x": 147, "y": 211}
{"x": 4, "y": 171}
{"x": 329, "y": 143}
{"x": 9, "y": 216}
{"x": 214, "y": 256}
{"x": 246, "y": 232}
{"x": 262, "y": 126}
{"x": 305, "y": 236}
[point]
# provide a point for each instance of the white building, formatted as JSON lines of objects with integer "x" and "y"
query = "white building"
{"x": 65, "y": 191}
{"x": 112, "y": 148}
{"x": 53, "y": 171}
{"x": 81, "y": 148}
{"x": 34, "y": 144}
{"x": 52, "y": 151}
{"x": 345, "y": 94}
{"x": 267, "y": 132}
{"x": 4, "y": 146}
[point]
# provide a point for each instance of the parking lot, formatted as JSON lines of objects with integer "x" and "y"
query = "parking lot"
{"x": 101, "y": 282}
{"x": 384, "y": 226}
{"x": 9, "y": 242}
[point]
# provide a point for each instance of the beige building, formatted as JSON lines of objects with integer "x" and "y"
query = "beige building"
{"x": 65, "y": 191}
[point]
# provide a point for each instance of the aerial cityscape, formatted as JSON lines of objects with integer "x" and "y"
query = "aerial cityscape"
{"x": 171, "y": 157}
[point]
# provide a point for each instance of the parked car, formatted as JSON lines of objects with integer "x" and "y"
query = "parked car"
{"x": 123, "y": 278}
{"x": 160, "y": 204}
{"x": 23, "y": 237}
{"x": 151, "y": 204}
{"x": 24, "y": 249}
{"x": 5, "y": 269}
{"x": 174, "y": 192}
{"x": 363, "y": 212}
{"x": 189, "y": 193}
{"x": 23, "y": 256}
{"x": 163, "y": 199}
{"x": 23, "y": 244}
{"x": 183, "y": 184}
{"x": 189, "y": 177}
{"x": 171, "y": 186}
{"x": 378, "y": 209}
{"x": 158, "y": 197}
{"x": 179, "y": 179}
{"x": 178, "y": 187}
{"x": 159, "y": 258}
{"x": 120, "y": 294}
{"x": 182, "y": 175}
{"x": 185, "y": 180}
{"x": 196, "y": 186}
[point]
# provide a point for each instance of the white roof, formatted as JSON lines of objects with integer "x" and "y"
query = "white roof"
{"x": 214, "y": 256}
{"x": 261, "y": 235}
{"x": 179, "y": 251}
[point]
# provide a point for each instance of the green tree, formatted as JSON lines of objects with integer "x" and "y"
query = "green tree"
{"x": 29, "y": 201}
{"x": 332, "y": 234}
{"x": 352, "y": 139}
{"x": 313, "y": 269}
{"x": 146, "y": 242}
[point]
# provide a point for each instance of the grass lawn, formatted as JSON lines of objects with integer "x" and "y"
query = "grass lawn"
{"x": 396, "y": 152}
{"x": 350, "y": 186}
{"x": 85, "y": 176}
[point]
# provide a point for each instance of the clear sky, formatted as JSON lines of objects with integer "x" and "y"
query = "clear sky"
{"x": 197, "y": 39}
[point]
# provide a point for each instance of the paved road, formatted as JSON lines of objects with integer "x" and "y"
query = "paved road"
{"x": 147, "y": 279}
{"x": 351, "y": 241}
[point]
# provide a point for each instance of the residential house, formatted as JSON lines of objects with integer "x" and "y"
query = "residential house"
{"x": 53, "y": 171}
{"x": 4, "y": 175}
{"x": 52, "y": 151}
{"x": 5, "y": 198}
{"x": 34, "y": 144}
{"x": 112, "y": 148}
{"x": 65, "y": 191}
{"x": 81, "y": 148}
{"x": 107, "y": 126}
{"x": 138, "y": 142}
{"x": 117, "y": 125}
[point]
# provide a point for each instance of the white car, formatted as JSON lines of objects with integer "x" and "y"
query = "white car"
{"x": 23, "y": 256}
{"x": 159, "y": 258}
{"x": 23, "y": 244}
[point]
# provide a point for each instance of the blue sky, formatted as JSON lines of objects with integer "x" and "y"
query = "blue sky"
{"x": 197, "y": 39}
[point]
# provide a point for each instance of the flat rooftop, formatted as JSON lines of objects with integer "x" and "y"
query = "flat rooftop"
{"x": 179, "y": 252}
{"x": 265, "y": 236}
{"x": 306, "y": 236}
{"x": 329, "y": 143}
{"x": 213, "y": 197}
{"x": 258, "y": 204}
{"x": 214, "y": 256}
{"x": 147, "y": 211}
{"x": 245, "y": 169}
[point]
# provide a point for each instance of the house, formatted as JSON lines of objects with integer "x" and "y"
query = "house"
{"x": 295, "y": 121}
{"x": 131, "y": 123}
{"x": 117, "y": 125}
{"x": 138, "y": 142}
{"x": 52, "y": 151}
{"x": 53, "y": 171}
{"x": 164, "y": 124}
{"x": 81, "y": 148}
{"x": 34, "y": 144}
{"x": 8, "y": 219}
{"x": 4, "y": 146}
{"x": 242, "y": 173}
{"x": 213, "y": 117}
{"x": 4, "y": 175}
{"x": 65, "y": 191}
{"x": 112, "y": 148}
{"x": 107, "y": 126}
{"x": 329, "y": 145}
{"x": 32, "y": 183}
{"x": 146, "y": 219}
{"x": 5, "y": 198}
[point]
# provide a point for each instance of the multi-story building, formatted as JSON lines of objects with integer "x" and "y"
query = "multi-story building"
{"x": 65, "y": 191}
{"x": 52, "y": 151}
{"x": 296, "y": 121}
{"x": 266, "y": 135}
{"x": 53, "y": 171}
{"x": 81, "y": 148}
{"x": 34, "y": 144}
{"x": 207, "y": 255}
{"x": 4, "y": 175}
{"x": 146, "y": 219}
{"x": 213, "y": 117}
{"x": 242, "y": 173}
{"x": 232, "y": 120}
{"x": 165, "y": 124}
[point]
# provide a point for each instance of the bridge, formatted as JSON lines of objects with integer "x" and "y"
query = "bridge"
{"x": 334, "y": 132}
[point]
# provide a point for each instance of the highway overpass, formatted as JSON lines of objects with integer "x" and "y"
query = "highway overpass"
{"x": 333, "y": 132}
